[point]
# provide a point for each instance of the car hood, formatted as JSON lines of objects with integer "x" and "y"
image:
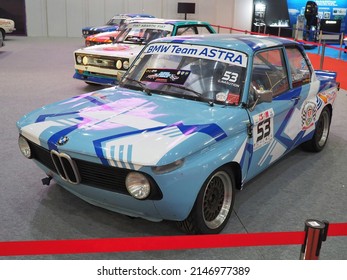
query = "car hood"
{"x": 114, "y": 50}
{"x": 104, "y": 28}
{"x": 120, "y": 125}
{"x": 104, "y": 35}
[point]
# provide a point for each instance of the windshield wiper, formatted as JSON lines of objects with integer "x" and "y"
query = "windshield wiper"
{"x": 199, "y": 94}
{"x": 141, "y": 84}
{"x": 185, "y": 88}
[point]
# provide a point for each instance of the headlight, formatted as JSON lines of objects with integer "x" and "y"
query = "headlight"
{"x": 85, "y": 60}
{"x": 119, "y": 64}
{"x": 24, "y": 147}
{"x": 168, "y": 167}
{"x": 137, "y": 185}
{"x": 126, "y": 64}
{"x": 79, "y": 59}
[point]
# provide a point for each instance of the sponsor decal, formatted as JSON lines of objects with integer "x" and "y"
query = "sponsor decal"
{"x": 217, "y": 54}
{"x": 308, "y": 115}
{"x": 228, "y": 98}
{"x": 116, "y": 48}
{"x": 328, "y": 96}
{"x": 262, "y": 129}
{"x": 167, "y": 27}
{"x": 172, "y": 76}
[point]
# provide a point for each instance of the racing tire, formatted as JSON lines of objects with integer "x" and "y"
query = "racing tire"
{"x": 3, "y": 34}
{"x": 213, "y": 205}
{"x": 321, "y": 133}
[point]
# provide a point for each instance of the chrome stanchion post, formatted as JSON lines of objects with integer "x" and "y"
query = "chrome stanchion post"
{"x": 316, "y": 233}
{"x": 320, "y": 40}
{"x": 322, "y": 57}
{"x": 341, "y": 42}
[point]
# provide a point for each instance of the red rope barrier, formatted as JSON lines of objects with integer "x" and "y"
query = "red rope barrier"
{"x": 337, "y": 229}
{"x": 108, "y": 245}
{"x": 113, "y": 245}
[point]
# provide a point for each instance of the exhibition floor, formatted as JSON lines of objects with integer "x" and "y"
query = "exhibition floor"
{"x": 38, "y": 71}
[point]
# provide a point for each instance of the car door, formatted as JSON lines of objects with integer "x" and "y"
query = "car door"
{"x": 276, "y": 125}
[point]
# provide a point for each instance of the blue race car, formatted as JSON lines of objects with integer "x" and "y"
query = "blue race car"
{"x": 114, "y": 24}
{"x": 193, "y": 119}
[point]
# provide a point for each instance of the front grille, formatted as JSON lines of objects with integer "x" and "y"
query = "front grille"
{"x": 66, "y": 167}
{"x": 88, "y": 173}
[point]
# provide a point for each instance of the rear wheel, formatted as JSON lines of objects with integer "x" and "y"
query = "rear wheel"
{"x": 321, "y": 133}
{"x": 213, "y": 205}
{"x": 2, "y": 31}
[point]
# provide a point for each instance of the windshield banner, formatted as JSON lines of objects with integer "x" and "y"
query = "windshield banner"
{"x": 205, "y": 52}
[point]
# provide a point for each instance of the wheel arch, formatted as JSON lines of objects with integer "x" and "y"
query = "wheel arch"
{"x": 236, "y": 169}
{"x": 330, "y": 108}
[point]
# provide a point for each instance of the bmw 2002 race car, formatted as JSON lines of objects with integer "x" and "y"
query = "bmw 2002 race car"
{"x": 192, "y": 121}
{"x": 101, "y": 38}
{"x": 109, "y": 37}
{"x": 114, "y": 24}
{"x": 105, "y": 64}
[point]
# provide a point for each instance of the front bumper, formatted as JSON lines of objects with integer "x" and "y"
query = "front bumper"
{"x": 10, "y": 30}
{"x": 113, "y": 201}
{"x": 95, "y": 79}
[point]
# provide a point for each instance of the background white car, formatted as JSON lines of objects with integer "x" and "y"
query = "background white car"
{"x": 6, "y": 26}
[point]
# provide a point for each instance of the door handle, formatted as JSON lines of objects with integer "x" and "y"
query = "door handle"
{"x": 295, "y": 98}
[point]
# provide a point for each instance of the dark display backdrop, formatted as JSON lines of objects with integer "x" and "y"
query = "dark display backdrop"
{"x": 290, "y": 9}
{"x": 327, "y": 9}
{"x": 276, "y": 10}
{"x": 15, "y": 10}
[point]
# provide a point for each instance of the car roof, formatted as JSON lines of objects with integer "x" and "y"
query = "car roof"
{"x": 134, "y": 15}
{"x": 240, "y": 42}
{"x": 176, "y": 22}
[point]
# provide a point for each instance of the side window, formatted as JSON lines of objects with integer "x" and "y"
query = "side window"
{"x": 193, "y": 30}
{"x": 202, "y": 30}
{"x": 186, "y": 30}
{"x": 300, "y": 71}
{"x": 269, "y": 72}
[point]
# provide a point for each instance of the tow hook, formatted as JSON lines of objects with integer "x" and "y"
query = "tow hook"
{"x": 46, "y": 181}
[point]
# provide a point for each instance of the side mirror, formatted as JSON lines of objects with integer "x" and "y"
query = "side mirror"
{"x": 261, "y": 96}
{"x": 264, "y": 95}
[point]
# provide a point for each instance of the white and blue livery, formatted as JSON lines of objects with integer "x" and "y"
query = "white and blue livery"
{"x": 193, "y": 119}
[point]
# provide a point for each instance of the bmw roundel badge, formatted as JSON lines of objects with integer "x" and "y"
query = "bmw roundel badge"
{"x": 63, "y": 140}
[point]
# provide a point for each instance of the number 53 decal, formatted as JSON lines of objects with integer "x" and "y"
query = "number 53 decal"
{"x": 262, "y": 129}
{"x": 230, "y": 76}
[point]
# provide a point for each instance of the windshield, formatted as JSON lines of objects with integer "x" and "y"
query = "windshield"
{"x": 188, "y": 71}
{"x": 143, "y": 33}
{"x": 116, "y": 21}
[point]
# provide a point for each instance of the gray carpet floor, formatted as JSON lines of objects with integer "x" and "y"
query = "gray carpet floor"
{"x": 38, "y": 71}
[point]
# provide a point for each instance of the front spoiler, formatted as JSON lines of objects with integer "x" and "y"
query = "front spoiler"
{"x": 100, "y": 80}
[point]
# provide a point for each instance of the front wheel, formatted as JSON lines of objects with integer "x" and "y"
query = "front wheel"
{"x": 321, "y": 133}
{"x": 3, "y": 33}
{"x": 213, "y": 205}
